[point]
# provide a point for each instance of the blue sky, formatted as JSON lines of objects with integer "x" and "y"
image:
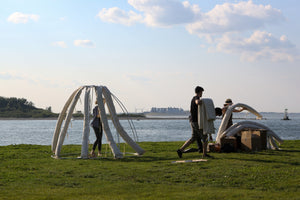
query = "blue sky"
{"x": 152, "y": 53}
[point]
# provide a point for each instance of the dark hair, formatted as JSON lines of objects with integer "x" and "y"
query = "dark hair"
{"x": 218, "y": 111}
{"x": 198, "y": 89}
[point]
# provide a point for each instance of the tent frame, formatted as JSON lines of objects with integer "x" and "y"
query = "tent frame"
{"x": 65, "y": 116}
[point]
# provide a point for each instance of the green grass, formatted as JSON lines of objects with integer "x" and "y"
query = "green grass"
{"x": 29, "y": 172}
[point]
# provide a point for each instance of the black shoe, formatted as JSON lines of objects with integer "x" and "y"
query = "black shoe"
{"x": 179, "y": 152}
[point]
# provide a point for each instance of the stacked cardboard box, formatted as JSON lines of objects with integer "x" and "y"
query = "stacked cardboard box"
{"x": 262, "y": 133}
{"x": 254, "y": 140}
{"x": 230, "y": 143}
{"x": 212, "y": 147}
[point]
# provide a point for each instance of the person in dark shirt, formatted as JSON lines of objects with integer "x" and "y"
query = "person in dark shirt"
{"x": 218, "y": 112}
{"x": 197, "y": 133}
{"x": 97, "y": 126}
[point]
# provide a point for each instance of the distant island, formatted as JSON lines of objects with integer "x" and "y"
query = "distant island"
{"x": 13, "y": 107}
{"x": 22, "y": 108}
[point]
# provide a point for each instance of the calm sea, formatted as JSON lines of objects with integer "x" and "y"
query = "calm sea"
{"x": 41, "y": 131}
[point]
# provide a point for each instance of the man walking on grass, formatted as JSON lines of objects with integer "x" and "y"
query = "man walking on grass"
{"x": 197, "y": 133}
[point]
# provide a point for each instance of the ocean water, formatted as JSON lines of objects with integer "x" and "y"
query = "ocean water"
{"x": 40, "y": 132}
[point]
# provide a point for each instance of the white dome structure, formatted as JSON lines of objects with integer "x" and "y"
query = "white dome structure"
{"x": 65, "y": 116}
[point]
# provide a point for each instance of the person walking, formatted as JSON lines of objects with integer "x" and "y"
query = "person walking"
{"x": 197, "y": 133}
{"x": 97, "y": 126}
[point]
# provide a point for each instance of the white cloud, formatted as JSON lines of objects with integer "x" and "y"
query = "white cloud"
{"x": 229, "y": 17}
{"x": 63, "y": 18}
{"x": 84, "y": 43}
{"x": 223, "y": 18}
{"x": 18, "y": 17}
{"x": 260, "y": 45}
{"x": 223, "y": 26}
{"x": 15, "y": 76}
{"x": 28, "y": 78}
{"x": 10, "y": 76}
{"x": 116, "y": 15}
{"x": 140, "y": 78}
{"x": 61, "y": 44}
{"x": 166, "y": 12}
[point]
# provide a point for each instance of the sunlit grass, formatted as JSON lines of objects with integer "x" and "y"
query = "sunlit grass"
{"x": 29, "y": 172}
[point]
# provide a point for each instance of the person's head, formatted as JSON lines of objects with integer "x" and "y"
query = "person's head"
{"x": 218, "y": 111}
{"x": 199, "y": 90}
{"x": 228, "y": 102}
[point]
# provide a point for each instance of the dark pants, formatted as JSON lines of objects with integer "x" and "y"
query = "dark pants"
{"x": 197, "y": 135}
{"x": 98, "y": 133}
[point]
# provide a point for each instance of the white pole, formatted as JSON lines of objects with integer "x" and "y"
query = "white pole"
{"x": 67, "y": 121}
{"x": 116, "y": 122}
{"x": 86, "y": 125}
{"x": 60, "y": 119}
{"x": 109, "y": 137}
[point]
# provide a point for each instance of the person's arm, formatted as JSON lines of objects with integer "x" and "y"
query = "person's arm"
{"x": 198, "y": 101}
{"x": 224, "y": 111}
{"x": 238, "y": 110}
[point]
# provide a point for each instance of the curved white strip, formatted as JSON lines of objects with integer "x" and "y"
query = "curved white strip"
{"x": 236, "y": 128}
{"x": 86, "y": 125}
{"x": 116, "y": 122}
{"x": 273, "y": 143}
{"x": 109, "y": 137}
{"x": 66, "y": 124}
{"x": 228, "y": 113}
{"x": 60, "y": 119}
{"x": 261, "y": 126}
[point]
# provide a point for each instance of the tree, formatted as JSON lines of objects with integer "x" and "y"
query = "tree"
{"x": 49, "y": 109}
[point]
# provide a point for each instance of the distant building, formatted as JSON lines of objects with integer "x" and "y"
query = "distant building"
{"x": 169, "y": 110}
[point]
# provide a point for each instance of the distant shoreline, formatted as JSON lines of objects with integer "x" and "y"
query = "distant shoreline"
{"x": 29, "y": 118}
{"x": 140, "y": 117}
{"x": 121, "y": 118}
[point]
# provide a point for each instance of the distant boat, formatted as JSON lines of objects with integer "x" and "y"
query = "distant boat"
{"x": 286, "y": 117}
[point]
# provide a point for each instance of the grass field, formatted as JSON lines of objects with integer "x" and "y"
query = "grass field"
{"x": 29, "y": 172}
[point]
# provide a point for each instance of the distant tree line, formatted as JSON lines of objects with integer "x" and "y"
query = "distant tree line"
{"x": 21, "y": 108}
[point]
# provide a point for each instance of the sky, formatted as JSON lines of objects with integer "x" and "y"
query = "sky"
{"x": 152, "y": 53}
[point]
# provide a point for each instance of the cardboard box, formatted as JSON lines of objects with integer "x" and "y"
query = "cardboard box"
{"x": 262, "y": 133}
{"x": 228, "y": 143}
{"x": 254, "y": 140}
{"x": 211, "y": 147}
